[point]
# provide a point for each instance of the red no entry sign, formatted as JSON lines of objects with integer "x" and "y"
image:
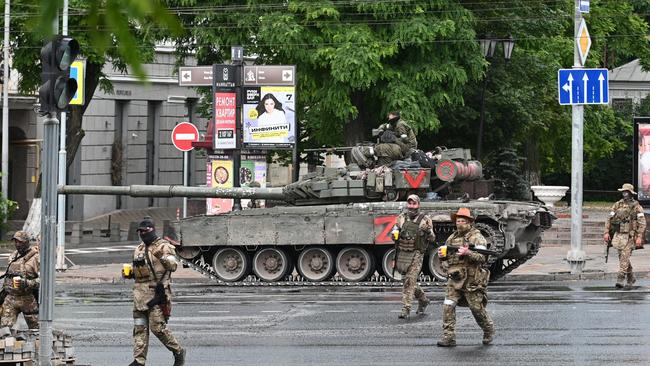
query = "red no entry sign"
{"x": 183, "y": 135}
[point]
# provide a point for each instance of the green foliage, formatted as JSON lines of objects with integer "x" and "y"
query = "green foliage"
{"x": 356, "y": 60}
{"x": 506, "y": 170}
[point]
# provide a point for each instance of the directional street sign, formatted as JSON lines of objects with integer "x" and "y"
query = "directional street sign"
{"x": 583, "y": 86}
{"x": 183, "y": 135}
{"x": 584, "y": 6}
{"x": 583, "y": 41}
{"x": 270, "y": 75}
{"x": 195, "y": 76}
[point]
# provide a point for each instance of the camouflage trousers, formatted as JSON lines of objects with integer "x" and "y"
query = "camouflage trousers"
{"x": 411, "y": 286}
{"x": 16, "y": 304}
{"x": 476, "y": 300}
{"x": 624, "y": 265}
{"x": 155, "y": 321}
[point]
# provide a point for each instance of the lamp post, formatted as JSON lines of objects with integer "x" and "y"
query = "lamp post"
{"x": 488, "y": 46}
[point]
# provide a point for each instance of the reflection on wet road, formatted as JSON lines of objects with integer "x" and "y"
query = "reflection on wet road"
{"x": 572, "y": 323}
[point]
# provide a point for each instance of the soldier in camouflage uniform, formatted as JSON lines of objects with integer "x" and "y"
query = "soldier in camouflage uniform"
{"x": 153, "y": 262}
{"x": 625, "y": 227}
{"x": 405, "y": 136}
{"x": 415, "y": 233}
{"x": 22, "y": 292}
{"x": 466, "y": 278}
{"x": 387, "y": 151}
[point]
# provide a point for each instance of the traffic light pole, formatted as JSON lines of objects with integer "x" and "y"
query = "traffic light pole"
{"x": 63, "y": 157}
{"x": 5, "y": 108}
{"x": 48, "y": 233}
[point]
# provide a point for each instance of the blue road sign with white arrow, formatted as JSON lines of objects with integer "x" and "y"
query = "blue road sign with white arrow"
{"x": 583, "y": 86}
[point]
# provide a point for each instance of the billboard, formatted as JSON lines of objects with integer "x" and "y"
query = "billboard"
{"x": 221, "y": 177}
{"x": 642, "y": 156}
{"x": 269, "y": 114}
{"x": 225, "y": 112}
{"x": 219, "y": 174}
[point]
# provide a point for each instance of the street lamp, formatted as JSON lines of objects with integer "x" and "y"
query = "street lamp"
{"x": 488, "y": 46}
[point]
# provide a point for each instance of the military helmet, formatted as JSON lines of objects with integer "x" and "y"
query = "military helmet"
{"x": 463, "y": 212}
{"x": 21, "y": 236}
{"x": 627, "y": 187}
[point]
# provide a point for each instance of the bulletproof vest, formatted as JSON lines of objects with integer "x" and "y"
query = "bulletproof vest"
{"x": 624, "y": 219}
{"x": 458, "y": 240}
{"x": 410, "y": 235}
{"x": 142, "y": 270}
{"x": 24, "y": 267}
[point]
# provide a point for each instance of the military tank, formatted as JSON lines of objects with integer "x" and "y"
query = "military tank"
{"x": 334, "y": 224}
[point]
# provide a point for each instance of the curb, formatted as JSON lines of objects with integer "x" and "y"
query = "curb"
{"x": 567, "y": 276}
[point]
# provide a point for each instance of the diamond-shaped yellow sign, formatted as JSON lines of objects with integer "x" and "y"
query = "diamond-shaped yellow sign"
{"x": 583, "y": 41}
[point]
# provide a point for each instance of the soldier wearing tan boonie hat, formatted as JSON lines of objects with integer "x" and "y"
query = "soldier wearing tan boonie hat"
{"x": 625, "y": 231}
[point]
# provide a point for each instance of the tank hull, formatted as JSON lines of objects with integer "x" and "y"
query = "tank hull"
{"x": 513, "y": 229}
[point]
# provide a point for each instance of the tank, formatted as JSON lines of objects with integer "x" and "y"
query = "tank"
{"x": 334, "y": 224}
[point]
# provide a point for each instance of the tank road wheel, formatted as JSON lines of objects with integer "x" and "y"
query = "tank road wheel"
{"x": 315, "y": 264}
{"x": 188, "y": 253}
{"x": 386, "y": 259}
{"x": 271, "y": 264}
{"x": 435, "y": 266}
{"x": 231, "y": 264}
{"x": 354, "y": 264}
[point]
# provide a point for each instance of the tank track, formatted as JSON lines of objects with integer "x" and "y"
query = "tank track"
{"x": 206, "y": 270}
{"x": 509, "y": 265}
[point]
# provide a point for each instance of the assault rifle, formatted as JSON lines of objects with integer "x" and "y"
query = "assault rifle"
{"x": 452, "y": 249}
{"x": 339, "y": 149}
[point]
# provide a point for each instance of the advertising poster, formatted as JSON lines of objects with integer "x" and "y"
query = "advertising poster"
{"x": 225, "y": 111}
{"x": 221, "y": 177}
{"x": 269, "y": 116}
{"x": 643, "y": 139}
{"x": 252, "y": 170}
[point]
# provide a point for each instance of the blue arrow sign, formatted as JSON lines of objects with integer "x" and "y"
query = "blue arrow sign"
{"x": 583, "y": 86}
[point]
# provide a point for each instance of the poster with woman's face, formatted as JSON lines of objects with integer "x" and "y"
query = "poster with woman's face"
{"x": 644, "y": 161}
{"x": 269, "y": 116}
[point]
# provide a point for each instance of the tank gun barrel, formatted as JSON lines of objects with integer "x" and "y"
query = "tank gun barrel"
{"x": 174, "y": 191}
{"x": 330, "y": 149}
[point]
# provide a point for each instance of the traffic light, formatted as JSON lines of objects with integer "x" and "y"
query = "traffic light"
{"x": 57, "y": 88}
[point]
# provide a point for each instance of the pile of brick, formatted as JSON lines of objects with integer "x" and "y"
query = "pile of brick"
{"x": 22, "y": 347}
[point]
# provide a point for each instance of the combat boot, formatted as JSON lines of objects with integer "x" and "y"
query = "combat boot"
{"x": 618, "y": 285}
{"x": 405, "y": 313}
{"x": 488, "y": 337}
{"x": 446, "y": 342}
{"x": 179, "y": 358}
{"x": 422, "y": 306}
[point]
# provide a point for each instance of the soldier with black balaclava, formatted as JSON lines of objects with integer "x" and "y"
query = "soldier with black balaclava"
{"x": 153, "y": 262}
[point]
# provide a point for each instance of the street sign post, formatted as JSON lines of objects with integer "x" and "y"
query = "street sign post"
{"x": 195, "y": 76}
{"x": 269, "y": 75}
{"x": 584, "y": 6}
{"x": 583, "y": 86}
{"x": 183, "y": 135}
{"x": 583, "y": 41}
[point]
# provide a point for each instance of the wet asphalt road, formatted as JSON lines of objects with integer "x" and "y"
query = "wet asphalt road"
{"x": 573, "y": 323}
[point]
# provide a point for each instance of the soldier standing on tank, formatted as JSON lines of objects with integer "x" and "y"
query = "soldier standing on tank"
{"x": 466, "y": 278}
{"x": 21, "y": 282}
{"x": 625, "y": 228}
{"x": 414, "y": 231}
{"x": 153, "y": 262}
{"x": 405, "y": 135}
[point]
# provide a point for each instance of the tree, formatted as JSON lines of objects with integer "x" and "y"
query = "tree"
{"x": 122, "y": 32}
{"x": 356, "y": 60}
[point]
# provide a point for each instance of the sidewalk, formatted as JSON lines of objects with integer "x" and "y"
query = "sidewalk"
{"x": 548, "y": 265}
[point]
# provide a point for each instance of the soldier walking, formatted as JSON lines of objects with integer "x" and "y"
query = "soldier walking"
{"x": 466, "y": 278}
{"x": 414, "y": 231}
{"x": 153, "y": 262}
{"x": 21, "y": 282}
{"x": 625, "y": 228}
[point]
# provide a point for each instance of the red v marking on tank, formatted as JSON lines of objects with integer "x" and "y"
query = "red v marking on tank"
{"x": 386, "y": 223}
{"x": 414, "y": 182}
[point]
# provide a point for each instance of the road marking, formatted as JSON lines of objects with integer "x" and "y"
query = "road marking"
{"x": 91, "y": 312}
{"x": 604, "y": 311}
{"x": 272, "y": 311}
{"x": 339, "y": 311}
{"x": 214, "y": 311}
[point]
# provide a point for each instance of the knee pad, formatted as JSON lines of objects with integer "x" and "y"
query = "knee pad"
{"x": 450, "y": 303}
